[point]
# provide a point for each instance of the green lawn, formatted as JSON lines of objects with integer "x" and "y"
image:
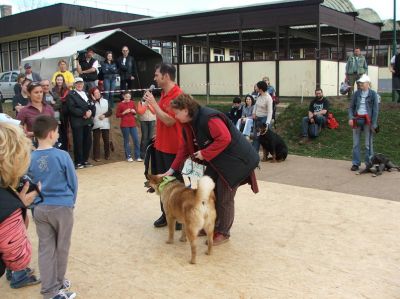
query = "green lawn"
{"x": 335, "y": 144}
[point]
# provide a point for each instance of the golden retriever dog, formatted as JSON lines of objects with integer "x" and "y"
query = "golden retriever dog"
{"x": 194, "y": 208}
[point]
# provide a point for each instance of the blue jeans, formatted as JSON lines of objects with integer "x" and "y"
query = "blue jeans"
{"x": 258, "y": 121}
{"x": 147, "y": 128}
{"x": 319, "y": 120}
{"x": 134, "y": 134}
{"x": 109, "y": 85}
{"x": 369, "y": 151}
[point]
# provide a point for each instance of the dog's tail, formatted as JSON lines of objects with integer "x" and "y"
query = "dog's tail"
{"x": 204, "y": 188}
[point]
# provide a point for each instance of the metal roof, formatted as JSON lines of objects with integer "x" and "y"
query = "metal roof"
{"x": 369, "y": 15}
{"x": 340, "y": 5}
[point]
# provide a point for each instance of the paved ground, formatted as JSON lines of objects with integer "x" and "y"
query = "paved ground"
{"x": 330, "y": 175}
{"x": 291, "y": 240}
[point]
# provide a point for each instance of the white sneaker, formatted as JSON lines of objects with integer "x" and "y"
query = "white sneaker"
{"x": 66, "y": 285}
{"x": 64, "y": 295}
{"x": 129, "y": 160}
{"x": 139, "y": 160}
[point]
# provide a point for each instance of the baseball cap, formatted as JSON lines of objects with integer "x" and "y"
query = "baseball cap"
{"x": 5, "y": 118}
{"x": 363, "y": 79}
{"x": 27, "y": 66}
{"x": 78, "y": 79}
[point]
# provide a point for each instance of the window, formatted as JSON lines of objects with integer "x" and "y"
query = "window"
{"x": 233, "y": 55}
{"x": 188, "y": 54}
{"x": 196, "y": 54}
{"x": 258, "y": 56}
{"x": 23, "y": 49}
{"x": 5, "y": 77}
{"x": 167, "y": 55}
{"x": 247, "y": 55}
{"x": 33, "y": 46}
{"x": 43, "y": 42}
{"x": 14, "y": 55}
{"x": 65, "y": 34}
{"x": 204, "y": 54}
{"x": 5, "y": 57}
{"x": 54, "y": 38}
{"x": 14, "y": 77}
{"x": 218, "y": 54}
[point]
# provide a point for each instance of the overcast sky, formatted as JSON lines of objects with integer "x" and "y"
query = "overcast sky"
{"x": 168, "y": 7}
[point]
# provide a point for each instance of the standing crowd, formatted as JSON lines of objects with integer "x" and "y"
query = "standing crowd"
{"x": 184, "y": 130}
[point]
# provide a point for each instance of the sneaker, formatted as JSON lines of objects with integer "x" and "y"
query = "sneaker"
{"x": 79, "y": 166}
{"x": 129, "y": 160}
{"x": 87, "y": 164}
{"x": 29, "y": 272}
{"x": 160, "y": 222}
{"x": 64, "y": 295}
{"x": 354, "y": 168}
{"x": 65, "y": 285}
{"x": 28, "y": 281}
{"x": 139, "y": 160}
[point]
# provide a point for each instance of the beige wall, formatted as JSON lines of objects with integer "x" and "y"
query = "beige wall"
{"x": 193, "y": 78}
{"x": 329, "y": 72}
{"x": 384, "y": 73}
{"x": 254, "y": 71}
{"x": 224, "y": 78}
{"x": 297, "y": 78}
{"x": 373, "y": 73}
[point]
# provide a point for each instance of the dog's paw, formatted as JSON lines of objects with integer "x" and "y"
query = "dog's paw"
{"x": 182, "y": 239}
{"x": 169, "y": 241}
{"x": 208, "y": 252}
{"x": 193, "y": 261}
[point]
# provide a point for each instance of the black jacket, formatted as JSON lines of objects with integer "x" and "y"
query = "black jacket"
{"x": 77, "y": 108}
{"x": 236, "y": 162}
{"x": 128, "y": 69}
{"x": 85, "y": 65}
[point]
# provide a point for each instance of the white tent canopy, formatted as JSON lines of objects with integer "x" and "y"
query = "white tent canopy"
{"x": 45, "y": 61}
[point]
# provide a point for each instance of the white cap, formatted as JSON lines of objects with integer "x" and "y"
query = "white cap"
{"x": 5, "y": 118}
{"x": 364, "y": 78}
{"x": 78, "y": 79}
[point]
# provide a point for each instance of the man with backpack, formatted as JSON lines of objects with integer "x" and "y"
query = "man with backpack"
{"x": 316, "y": 118}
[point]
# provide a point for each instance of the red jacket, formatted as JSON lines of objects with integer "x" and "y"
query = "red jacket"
{"x": 127, "y": 120}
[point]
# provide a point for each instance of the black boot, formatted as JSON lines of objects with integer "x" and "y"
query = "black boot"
{"x": 161, "y": 222}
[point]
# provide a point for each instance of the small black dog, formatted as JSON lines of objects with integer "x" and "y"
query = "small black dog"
{"x": 379, "y": 163}
{"x": 273, "y": 144}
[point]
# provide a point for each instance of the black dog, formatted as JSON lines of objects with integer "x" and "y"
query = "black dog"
{"x": 272, "y": 143}
{"x": 379, "y": 163}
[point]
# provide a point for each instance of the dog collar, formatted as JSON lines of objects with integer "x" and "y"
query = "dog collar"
{"x": 166, "y": 180}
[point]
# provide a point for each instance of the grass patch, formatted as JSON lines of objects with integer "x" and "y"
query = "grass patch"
{"x": 337, "y": 144}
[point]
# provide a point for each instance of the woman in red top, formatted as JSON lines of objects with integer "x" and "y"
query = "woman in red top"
{"x": 62, "y": 90}
{"x": 126, "y": 110}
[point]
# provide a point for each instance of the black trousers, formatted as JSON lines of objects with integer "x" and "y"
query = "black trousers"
{"x": 126, "y": 84}
{"x": 82, "y": 137}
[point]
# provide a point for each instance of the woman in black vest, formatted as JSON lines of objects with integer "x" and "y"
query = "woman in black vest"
{"x": 81, "y": 109}
{"x": 211, "y": 139}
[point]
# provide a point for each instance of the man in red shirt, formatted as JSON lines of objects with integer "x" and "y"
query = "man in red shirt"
{"x": 168, "y": 130}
